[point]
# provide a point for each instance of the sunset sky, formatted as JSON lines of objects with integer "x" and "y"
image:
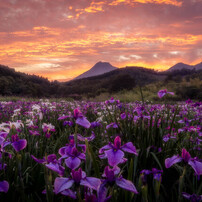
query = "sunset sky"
{"x": 60, "y": 39}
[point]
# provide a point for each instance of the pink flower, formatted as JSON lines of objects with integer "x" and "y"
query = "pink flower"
{"x": 162, "y": 93}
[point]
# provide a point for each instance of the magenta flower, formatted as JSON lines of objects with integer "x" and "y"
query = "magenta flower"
{"x": 114, "y": 152}
{"x": 111, "y": 179}
{"x": 4, "y": 186}
{"x": 80, "y": 119}
{"x": 34, "y": 132}
{"x": 63, "y": 117}
{"x": 62, "y": 184}
{"x": 51, "y": 163}
{"x": 90, "y": 138}
{"x": 162, "y": 93}
{"x": 68, "y": 148}
{"x": 73, "y": 158}
{"x": 123, "y": 116}
{"x": 112, "y": 125}
{"x": 18, "y": 144}
{"x": 186, "y": 157}
{"x": 47, "y": 129}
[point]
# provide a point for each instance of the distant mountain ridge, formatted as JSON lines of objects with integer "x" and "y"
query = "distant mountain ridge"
{"x": 14, "y": 83}
{"x": 104, "y": 67}
{"x": 98, "y": 69}
{"x": 181, "y": 66}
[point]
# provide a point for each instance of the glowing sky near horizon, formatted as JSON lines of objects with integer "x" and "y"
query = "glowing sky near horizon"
{"x": 60, "y": 39}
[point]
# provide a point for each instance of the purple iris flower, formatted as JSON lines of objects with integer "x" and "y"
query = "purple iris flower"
{"x": 63, "y": 117}
{"x": 186, "y": 157}
{"x": 143, "y": 176}
{"x": 90, "y": 138}
{"x": 193, "y": 197}
{"x": 162, "y": 93}
{"x": 111, "y": 179}
{"x": 123, "y": 116}
{"x": 96, "y": 124}
{"x": 62, "y": 184}
{"x": 168, "y": 137}
{"x": 4, "y": 186}
{"x": 110, "y": 101}
{"x": 67, "y": 149}
{"x": 69, "y": 123}
{"x": 72, "y": 158}
{"x": 47, "y": 129}
{"x": 52, "y": 163}
{"x": 112, "y": 125}
{"x": 34, "y": 132}
{"x": 18, "y": 144}
{"x": 146, "y": 172}
{"x": 157, "y": 174}
{"x": 114, "y": 152}
{"x": 80, "y": 119}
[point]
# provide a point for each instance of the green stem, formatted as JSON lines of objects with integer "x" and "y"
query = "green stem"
{"x": 141, "y": 95}
{"x": 75, "y": 134}
{"x": 181, "y": 180}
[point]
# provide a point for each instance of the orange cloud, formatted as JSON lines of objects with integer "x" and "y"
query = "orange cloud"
{"x": 98, "y": 6}
{"x": 131, "y": 2}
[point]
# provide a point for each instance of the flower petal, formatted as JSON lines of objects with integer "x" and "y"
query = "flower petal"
{"x": 4, "y": 186}
{"x": 129, "y": 147}
{"x": 103, "y": 156}
{"x": 72, "y": 163}
{"x": 82, "y": 156}
{"x": 19, "y": 145}
{"x": 116, "y": 170}
{"x": 61, "y": 184}
{"x": 171, "y": 93}
{"x": 161, "y": 93}
{"x": 38, "y": 160}
{"x": 170, "y": 161}
{"x": 82, "y": 138}
{"x": 102, "y": 192}
{"x": 114, "y": 157}
{"x": 56, "y": 167}
{"x": 91, "y": 182}
{"x": 197, "y": 166}
{"x": 82, "y": 121}
{"x": 1, "y": 140}
{"x": 126, "y": 184}
{"x": 62, "y": 151}
{"x": 106, "y": 147}
{"x": 51, "y": 158}
{"x": 69, "y": 192}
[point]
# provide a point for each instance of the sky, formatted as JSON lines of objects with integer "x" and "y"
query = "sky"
{"x": 61, "y": 39}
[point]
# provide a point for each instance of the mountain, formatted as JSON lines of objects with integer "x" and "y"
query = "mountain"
{"x": 98, "y": 69}
{"x": 182, "y": 66}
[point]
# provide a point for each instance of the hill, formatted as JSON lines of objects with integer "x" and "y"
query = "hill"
{"x": 21, "y": 84}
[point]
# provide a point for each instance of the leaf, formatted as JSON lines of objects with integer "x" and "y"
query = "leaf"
{"x": 155, "y": 157}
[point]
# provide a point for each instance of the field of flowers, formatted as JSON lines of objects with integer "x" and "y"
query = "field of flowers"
{"x": 106, "y": 151}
